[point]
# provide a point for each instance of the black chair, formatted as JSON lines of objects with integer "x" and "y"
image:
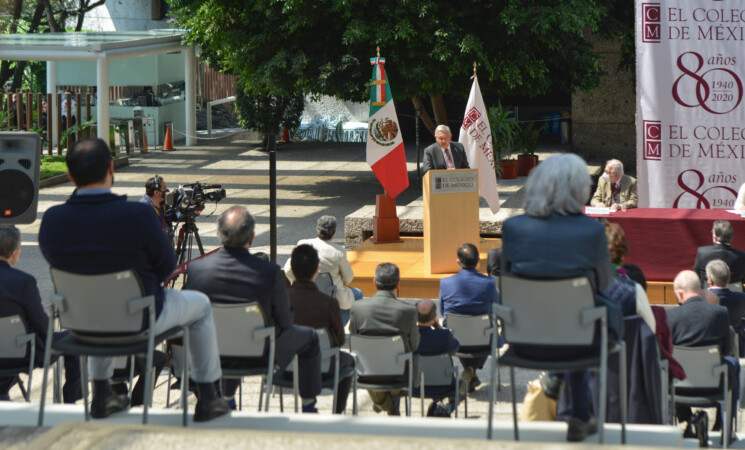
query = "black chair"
{"x": 107, "y": 316}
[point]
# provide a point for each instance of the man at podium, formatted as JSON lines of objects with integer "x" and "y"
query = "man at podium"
{"x": 444, "y": 154}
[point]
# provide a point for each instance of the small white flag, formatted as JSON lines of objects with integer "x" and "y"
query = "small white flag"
{"x": 475, "y": 135}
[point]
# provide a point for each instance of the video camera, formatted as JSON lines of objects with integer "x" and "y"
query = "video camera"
{"x": 189, "y": 202}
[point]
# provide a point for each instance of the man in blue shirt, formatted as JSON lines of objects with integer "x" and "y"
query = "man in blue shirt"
{"x": 468, "y": 293}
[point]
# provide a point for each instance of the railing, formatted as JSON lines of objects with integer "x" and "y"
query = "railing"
{"x": 209, "y": 111}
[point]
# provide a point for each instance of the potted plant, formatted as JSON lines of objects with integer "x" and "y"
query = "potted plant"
{"x": 528, "y": 141}
{"x": 504, "y": 135}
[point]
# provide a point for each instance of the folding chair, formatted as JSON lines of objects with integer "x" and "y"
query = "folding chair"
{"x": 706, "y": 382}
{"x": 107, "y": 315}
{"x": 242, "y": 334}
{"x": 381, "y": 356}
{"x": 17, "y": 344}
{"x": 477, "y": 336}
{"x": 557, "y": 313}
{"x": 442, "y": 377}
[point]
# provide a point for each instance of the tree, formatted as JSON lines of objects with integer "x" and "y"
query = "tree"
{"x": 279, "y": 47}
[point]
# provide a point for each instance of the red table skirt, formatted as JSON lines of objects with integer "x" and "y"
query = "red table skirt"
{"x": 663, "y": 241}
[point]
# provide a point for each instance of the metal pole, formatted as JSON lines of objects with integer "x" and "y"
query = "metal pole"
{"x": 272, "y": 144}
{"x": 418, "y": 150}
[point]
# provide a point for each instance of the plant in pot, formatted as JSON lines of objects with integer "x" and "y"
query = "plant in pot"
{"x": 528, "y": 141}
{"x": 504, "y": 135}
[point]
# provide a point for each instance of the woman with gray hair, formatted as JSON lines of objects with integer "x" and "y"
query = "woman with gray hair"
{"x": 333, "y": 259}
{"x": 553, "y": 239}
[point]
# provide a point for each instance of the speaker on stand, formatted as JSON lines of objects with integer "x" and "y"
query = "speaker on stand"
{"x": 20, "y": 161}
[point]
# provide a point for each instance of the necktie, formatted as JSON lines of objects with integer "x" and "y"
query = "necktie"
{"x": 449, "y": 159}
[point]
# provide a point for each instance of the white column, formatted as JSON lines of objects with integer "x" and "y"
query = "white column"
{"x": 52, "y": 107}
{"x": 191, "y": 96}
{"x": 102, "y": 97}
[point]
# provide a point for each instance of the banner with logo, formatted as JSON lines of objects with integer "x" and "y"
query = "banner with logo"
{"x": 385, "y": 147}
{"x": 690, "y": 118}
{"x": 475, "y": 135}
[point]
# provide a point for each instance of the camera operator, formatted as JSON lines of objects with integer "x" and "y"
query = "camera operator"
{"x": 155, "y": 193}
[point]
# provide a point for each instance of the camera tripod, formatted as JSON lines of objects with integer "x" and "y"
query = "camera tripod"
{"x": 187, "y": 234}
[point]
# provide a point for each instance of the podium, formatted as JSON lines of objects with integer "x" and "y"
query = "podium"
{"x": 451, "y": 217}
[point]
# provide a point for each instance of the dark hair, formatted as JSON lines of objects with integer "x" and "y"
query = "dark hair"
{"x": 386, "y": 277}
{"x": 237, "y": 232}
{"x": 88, "y": 161}
{"x": 153, "y": 184}
{"x": 618, "y": 246}
{"x": 723, "y": 231}
{"x": 635, "y": 273}
{"x": 304, "y": 262}
{"x": 468, "y": 255}
{"x": 10, "y": 240}
{"x": 262, "y": 255}
{"x": 326, "y": 227}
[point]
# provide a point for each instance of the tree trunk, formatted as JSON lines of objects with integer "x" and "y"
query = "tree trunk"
{"x": 438, "y": 106}
{"x": 53, "y": 24}
{"x": 5, "y": 66}
{"x": 418, "y": 106}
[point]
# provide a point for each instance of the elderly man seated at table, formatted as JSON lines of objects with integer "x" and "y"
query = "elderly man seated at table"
{"x": 615, "y": 189}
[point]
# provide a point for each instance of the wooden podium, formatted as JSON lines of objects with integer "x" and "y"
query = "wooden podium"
{"x": 451, "y": 216}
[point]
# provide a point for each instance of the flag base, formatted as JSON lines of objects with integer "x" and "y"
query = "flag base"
{"x": 385, "y": 221}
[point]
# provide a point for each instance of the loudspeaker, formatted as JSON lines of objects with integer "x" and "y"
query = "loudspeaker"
{"x": 19, "y": 176}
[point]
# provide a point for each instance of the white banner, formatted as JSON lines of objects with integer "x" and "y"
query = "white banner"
{"x": 689, "y": 86}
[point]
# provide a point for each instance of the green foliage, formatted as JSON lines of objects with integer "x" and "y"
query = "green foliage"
{"x": 286, "y": 47}
{"x": 527, "y": 139}
{"x": 266, "y": 113}
{"x": 505, "y": 131}
{"x": 52, "y": 165}
{"x": 75, "y": 129}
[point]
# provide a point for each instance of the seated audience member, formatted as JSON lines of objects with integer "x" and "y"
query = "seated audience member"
{"x": 615, "y": 189}
{"x": 435, "y": 340}
{"x": 717, "y": 276}
{"x": 317, "y": 310}
{"x": 722, "y": 235}
{"x": 20, "y": 296}
{"x": 662, "y": 329}
{"x": 333, "y": 259}
{"x": 631, "y": 295}
{"x": 233, "y": 275}
{"x": 696, "y": 323}
{"x": 384, "y": 315}
{"x": 555, "y": 239}
{"x": 95, "y": 232}
{"x": 468, "y": 293}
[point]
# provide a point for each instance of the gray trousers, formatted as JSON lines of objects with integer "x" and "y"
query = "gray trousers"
{"x": 180, "y": 308}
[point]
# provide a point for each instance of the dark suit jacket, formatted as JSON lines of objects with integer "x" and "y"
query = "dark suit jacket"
{"x": 437, "y": 341}
{"x": 735, "y": 304}
{"x": 233, "y": 275}
{"x": 434, "y": 159}
{"x": 734, "y": 258}
{"x": 494, "y": 262}
{"x": 384, "y": 315}
{"x": 697, "y": 323}
{"x": 315, "y": 309}
{"x": 103, "y": 233}
{"x": 19, "y": 295}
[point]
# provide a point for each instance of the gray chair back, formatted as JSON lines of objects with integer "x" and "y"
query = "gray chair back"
{"x": 324, "y": 340}
{"x": 14, "y": 340}
{"x": 470, "y": 330}
{"x": 98, "y": 303}
{"x": 735, "y": 287}
{"x": 235, "y": 324}
{"x": 700, "y": 365}
{"x": 438, "y": 370}
{"x": 378, "y": 355}
{"x": 544, "y": 312}
{"x": 326, "y": 284}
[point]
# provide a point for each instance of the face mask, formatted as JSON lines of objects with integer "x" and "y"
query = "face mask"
{"x": 605, "y": 177}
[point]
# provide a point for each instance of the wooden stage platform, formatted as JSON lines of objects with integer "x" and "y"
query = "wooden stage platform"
{"x": 416, "y": 282}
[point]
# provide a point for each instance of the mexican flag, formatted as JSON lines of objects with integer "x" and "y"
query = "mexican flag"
{"x": 385, "y": 147}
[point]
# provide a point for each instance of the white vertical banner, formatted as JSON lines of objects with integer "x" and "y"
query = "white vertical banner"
{"x": 690, "y": 63}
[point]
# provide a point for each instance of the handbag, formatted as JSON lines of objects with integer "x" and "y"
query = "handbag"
{"x": 536, "y": 405}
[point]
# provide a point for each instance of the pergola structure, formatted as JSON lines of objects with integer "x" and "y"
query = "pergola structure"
{"x": 102, "y": 48}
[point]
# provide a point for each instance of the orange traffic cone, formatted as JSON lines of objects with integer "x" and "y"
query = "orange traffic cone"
{"x": 285, "y": 135}
{"x": 168, "y": 141}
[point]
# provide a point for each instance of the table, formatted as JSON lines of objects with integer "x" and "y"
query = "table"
{"x": 663, "y": 241}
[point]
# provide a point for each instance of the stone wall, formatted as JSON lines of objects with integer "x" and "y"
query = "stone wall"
{"x": 603, "y": 122}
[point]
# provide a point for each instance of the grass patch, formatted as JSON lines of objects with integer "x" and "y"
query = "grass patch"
{"x": 52, "y": 165}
